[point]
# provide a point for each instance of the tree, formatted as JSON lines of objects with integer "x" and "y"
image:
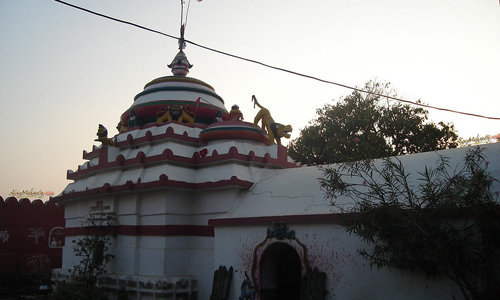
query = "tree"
{"x": 93, "y": 249}
{"x": 447, "y": 226}
{"x": 364, "y": 126}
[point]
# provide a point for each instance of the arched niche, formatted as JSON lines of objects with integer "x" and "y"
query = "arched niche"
{"x": 278, "y": 263}
{"x": 280, "y": 272}
{"x": 56, "y": 237}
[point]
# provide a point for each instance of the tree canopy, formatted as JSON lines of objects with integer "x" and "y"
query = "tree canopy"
{"x": 366, "y": 125}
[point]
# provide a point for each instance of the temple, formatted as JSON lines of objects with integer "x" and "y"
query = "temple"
{"x": 187, "y": 186}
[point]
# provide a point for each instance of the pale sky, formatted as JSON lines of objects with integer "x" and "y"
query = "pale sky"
{"x": 64, "y": 71}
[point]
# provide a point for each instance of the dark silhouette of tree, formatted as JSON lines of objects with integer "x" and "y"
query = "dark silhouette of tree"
{"x": 448, "y": 225}
{"x": 93, "y": 252}
{"x": 365, "y": 125}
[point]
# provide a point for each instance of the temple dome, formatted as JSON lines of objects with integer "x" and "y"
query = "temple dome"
{"x": 194, "y": 96}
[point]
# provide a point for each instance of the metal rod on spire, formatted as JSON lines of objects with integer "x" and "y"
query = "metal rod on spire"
{"x": 182, "y": 12}
{"x": 182, "y": 42}
{"x": 184, "y": 19}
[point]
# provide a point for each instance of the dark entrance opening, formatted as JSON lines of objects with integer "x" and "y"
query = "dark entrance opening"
{"x": 280, "y": 271}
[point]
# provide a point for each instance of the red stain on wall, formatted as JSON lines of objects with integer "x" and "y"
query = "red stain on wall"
{"x": 331, "y": 257}
{"x": 246, "y": 256}
{"x": 31, "y": 236}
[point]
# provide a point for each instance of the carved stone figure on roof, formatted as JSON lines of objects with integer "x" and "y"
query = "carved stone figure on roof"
{"x": 134, "y": 120}
{"x": 275, "y": 130}
{"x": 102, "y": 136}
{"x": 175, "y": 113}
{"x": 235, "y": 114}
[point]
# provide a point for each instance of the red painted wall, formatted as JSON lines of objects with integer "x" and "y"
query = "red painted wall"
{"x": 31, "y": 236}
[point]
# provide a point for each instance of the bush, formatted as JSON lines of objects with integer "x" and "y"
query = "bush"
{"x": 93, "y": 249}
{"x": 446, "y": 226}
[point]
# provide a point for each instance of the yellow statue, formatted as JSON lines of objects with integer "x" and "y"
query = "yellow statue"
{"x": 274, "y": 130}
{"x": 102, "y": 136}
{"x": 175, "y": 112}
{"x": 120, "y": 127}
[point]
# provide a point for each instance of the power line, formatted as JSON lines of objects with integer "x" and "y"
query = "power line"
{"x": 273, "y": 67}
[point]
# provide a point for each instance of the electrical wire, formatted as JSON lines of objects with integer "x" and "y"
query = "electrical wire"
{"x": 273, "y": 67}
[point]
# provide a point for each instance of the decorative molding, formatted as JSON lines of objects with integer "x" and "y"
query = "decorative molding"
{"x": 280, "y": 231}
{"x": 178, "y": 79}
{"x": 163, "y": 181}
{"x": 178, "y": 88}
{"x": 195, "y": 161}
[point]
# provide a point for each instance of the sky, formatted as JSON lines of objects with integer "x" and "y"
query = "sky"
{"x": 64, "y": 71}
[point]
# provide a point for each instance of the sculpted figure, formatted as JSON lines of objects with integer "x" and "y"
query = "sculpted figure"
{"x": 218, "y": 117}
{"x": 102, "y": 136}
{"x": 247, "y": 289}
{"x": 134, "y": 120}
{"x": 120, "y": 127}
{"x": 275, "y": 130}
{"x": 235, "y": 113}
{"x": 175, "y": 113}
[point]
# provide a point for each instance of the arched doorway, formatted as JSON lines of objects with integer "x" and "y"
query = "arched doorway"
{"x": 280, "y": 273}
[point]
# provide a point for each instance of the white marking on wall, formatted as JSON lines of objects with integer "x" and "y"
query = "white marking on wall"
{"x": 4, "y": 236}
{"x": 36, "y": 234}
{"x": 56, "y": 237}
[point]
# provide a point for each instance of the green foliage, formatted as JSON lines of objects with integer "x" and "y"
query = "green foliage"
{"x": 364, "y": 125}
{"x": 93, "y": 251}
{"x": 448, "y": 225}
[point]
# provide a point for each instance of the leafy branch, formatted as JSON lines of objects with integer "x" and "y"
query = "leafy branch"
{"x": 94, "y": 253}
{"x": 446, "y": 223}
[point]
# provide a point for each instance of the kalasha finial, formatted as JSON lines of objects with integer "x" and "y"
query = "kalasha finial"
{"x": 180, "y": 65}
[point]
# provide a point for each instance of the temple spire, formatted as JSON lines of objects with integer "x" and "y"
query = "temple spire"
{"x": 180, "y": 65}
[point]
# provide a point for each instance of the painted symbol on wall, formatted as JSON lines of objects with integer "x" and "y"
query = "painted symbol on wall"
{"x": 39, "y": 263}
{"x": 56, "y": 237}
{"x": 36, "y": 234}
{"x": 4, "y": 236}
{"x": 99, "y": 207}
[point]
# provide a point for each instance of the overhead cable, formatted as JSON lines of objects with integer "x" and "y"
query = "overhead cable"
{"x": 273, "y": 67}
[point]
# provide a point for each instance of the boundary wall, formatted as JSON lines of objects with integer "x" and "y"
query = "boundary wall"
{"x": 31, "y": 236}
